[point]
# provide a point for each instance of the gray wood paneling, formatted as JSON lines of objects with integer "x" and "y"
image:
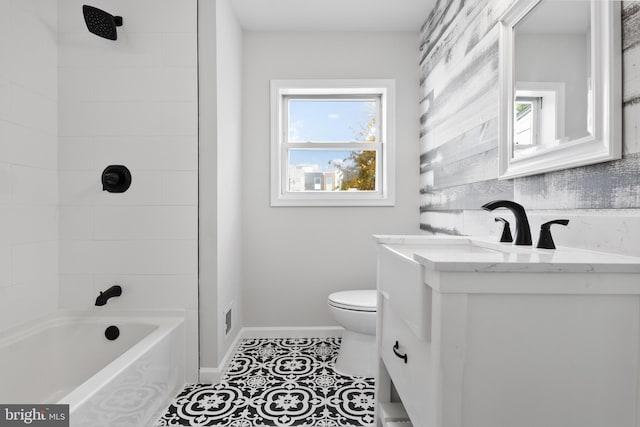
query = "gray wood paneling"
{"x": 611, "y": 185}
{"x": 631, "y": 48}
{"x": 458, "y": 125}
{"x": 478, "y": 140}
{"x": 468, "y": 196}
{"x": 468, "y": 158}
{"x": 630, "y": 24}
{"x": 437, "y": 24}
{"x": 454, "y": 95}
{"x": 440, "y": 230}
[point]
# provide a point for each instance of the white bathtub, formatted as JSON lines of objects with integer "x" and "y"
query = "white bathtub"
{"x": 65, "y": 358}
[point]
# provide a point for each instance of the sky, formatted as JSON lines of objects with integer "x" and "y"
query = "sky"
{"x": 326, "y": 121}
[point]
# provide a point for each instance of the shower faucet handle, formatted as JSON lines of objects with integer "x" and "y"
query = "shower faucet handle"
{"x": 116, "y": 179}
{"x": 506, "y": 231}
{"x": 545, "y": 241}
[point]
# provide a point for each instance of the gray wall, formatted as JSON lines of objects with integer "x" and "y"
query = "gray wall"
{"x": 295, "y": 256}
{"x": 459, "y": 137}
{"x": 220, "y": 186}
{"x": 568, "y": 54}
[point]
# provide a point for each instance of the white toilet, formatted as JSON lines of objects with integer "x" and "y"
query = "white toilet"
{"x": 355, "y": 311}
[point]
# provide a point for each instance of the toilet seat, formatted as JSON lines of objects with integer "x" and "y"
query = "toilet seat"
{"x": 355, "y": 300}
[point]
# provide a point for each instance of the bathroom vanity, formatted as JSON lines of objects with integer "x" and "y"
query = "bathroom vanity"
{"x": 475, "y": 333}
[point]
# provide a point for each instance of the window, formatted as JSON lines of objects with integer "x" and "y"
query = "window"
{"x": 538, "y": 118}
{"x": 332, "y": 142}
{"x": 527, "y": 111}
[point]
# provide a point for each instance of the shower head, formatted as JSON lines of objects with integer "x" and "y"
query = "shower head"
{"x": 101, "y": 23}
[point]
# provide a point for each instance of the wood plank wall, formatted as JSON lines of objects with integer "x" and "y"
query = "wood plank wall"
{"x": 459, "y": 101}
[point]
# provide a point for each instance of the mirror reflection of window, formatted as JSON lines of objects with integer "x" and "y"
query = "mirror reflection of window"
{"x": 551, "y": 50}
{"x": 526, "y": 124}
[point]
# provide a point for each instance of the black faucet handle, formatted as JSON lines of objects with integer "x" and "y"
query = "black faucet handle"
{"x": 555, "y": 221}
{"x": 506, "y": 231}
{"x": 545, "y": 241}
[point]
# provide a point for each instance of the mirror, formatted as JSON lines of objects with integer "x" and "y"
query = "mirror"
{"x": 560, "y": 85}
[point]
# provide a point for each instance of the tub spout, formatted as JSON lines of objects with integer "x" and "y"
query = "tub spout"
{"x": 114, "y": 291}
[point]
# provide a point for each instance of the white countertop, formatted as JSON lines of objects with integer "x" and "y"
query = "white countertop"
{"x": 465, "y": 254}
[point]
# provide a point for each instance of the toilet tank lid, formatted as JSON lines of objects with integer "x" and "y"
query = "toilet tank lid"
{"x": 363, "y": 300}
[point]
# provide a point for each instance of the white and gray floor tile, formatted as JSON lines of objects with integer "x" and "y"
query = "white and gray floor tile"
{"x": 278, "y": 382}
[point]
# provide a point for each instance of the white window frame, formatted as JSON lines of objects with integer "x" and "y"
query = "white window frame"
{"x": 385, "y": 161}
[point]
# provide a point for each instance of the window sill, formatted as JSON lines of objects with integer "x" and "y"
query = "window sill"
{"x": 332, "y": 202}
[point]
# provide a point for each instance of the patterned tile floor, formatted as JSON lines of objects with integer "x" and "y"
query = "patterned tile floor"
{"x": 278, "y": 382}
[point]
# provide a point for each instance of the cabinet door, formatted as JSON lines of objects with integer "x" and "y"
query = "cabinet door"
{"x": 400, "y": 277}
{"x": 414, "y": 378}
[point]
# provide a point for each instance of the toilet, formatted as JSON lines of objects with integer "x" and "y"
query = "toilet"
{"x": 355, "y": 311}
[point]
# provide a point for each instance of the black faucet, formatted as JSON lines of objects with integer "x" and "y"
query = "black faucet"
{"x": 523, "y": 232}
{"x": 114, "y": 291}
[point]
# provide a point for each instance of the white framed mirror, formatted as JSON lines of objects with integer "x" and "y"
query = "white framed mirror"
{"x": 560, "y": 85}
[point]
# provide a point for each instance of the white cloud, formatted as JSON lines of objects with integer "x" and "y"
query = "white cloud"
{"x": 334, "y": 116}
{"x": 294, "y": 131}
{"x": 308, "y": 167}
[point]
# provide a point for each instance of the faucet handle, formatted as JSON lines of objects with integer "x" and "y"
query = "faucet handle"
{"x": 545, "y": 241}
{"x": 506, "y": 231}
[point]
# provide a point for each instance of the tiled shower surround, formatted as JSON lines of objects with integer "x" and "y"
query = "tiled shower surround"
{"x": 70, "y": 105}
{"x": 278, "y": 382}
{"x": 130, "y": 102}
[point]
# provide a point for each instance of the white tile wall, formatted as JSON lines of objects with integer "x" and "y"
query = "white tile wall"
{"x": 131, "y": 102}
{"x": 28, "y": 160}
{"x": 145, "y": 223}
{"x": 140, "y": 16}
{"x": 28, "y": 146}
{"x": 166, "y": 291}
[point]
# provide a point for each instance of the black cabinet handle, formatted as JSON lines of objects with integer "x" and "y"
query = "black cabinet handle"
{"x": 397, "y": 353}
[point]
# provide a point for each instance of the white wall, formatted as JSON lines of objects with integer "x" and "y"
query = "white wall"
{"x": 231, "y": 171}
{"x": 131, "y": 102}
{"x": 28, "y": 160}
{"x": 294, "y": 257}
{"x": 221, "y": 176}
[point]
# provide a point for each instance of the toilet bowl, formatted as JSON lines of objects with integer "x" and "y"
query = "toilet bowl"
{"x": 355, "y": 311}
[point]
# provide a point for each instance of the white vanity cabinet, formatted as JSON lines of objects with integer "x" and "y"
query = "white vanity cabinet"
{"x": 503, "y": 336}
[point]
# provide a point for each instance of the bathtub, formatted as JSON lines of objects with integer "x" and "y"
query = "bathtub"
{"x": 66, "y": 358}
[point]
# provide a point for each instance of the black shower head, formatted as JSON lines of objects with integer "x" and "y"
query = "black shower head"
{"x": 101, "y": 23}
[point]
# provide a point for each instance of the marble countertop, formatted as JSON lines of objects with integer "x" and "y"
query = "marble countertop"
{"x": 465, "y": 254}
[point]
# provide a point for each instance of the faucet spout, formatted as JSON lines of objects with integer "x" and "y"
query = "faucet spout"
{"x": 523, "y": 231}
{"x": 114, "y": 291}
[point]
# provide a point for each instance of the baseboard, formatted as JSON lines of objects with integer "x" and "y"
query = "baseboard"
{"x": 293, "y": 332}
{"x": 209, "y": 375}
{"x": 213, "y": 375}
